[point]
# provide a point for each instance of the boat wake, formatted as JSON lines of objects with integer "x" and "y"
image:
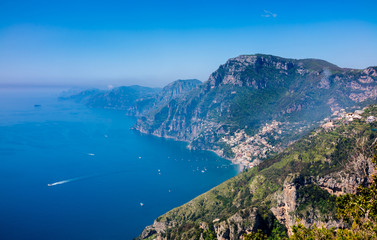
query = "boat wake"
{"x": 85, "y": 177}
{"x": 57, "y": 183}
{"x": 65, "y": 181}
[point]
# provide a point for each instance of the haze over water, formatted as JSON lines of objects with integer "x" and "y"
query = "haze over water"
{"x": 99, "y": 170}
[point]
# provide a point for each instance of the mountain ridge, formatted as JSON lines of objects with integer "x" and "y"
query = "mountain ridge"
{"x": 134, "y": 100}
{"x": 250, "y": 91}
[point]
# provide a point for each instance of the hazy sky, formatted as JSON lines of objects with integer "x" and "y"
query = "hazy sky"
{"x": 155, "y": 42}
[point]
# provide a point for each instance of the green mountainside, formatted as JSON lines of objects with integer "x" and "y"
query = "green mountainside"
{"x": 298, "y": 185}
{"x": 254, "y": 106}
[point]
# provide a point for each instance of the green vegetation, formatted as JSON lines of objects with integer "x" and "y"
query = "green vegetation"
{"x": 278, "y": 233}
{"x": 258, "y": 235}
{"x": 311, "y": 198}
{"x": 209, "y": 235}
{"x": 320, "y": 153}
{"x": 358, "y": 210}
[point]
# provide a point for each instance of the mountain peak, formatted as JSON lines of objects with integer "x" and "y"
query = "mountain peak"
{"x": 246, "y": 70}
{"x": 309, "y": 63}
{"x": 371, "y": 71}
{"x": 249, "y": 70}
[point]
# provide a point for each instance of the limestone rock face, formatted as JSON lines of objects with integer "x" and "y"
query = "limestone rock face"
{"x": 356, "y": 173}
{"x": 147, "y": 232}
{"x": 232, "y": 72}
{"x": 371, "y": 71}
{"x": 158, "y": 228}
{"x": 236, "y": 226}
{"x": 286, "y": 203}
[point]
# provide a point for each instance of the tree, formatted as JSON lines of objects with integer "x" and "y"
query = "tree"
{"x": 258, "y": 235}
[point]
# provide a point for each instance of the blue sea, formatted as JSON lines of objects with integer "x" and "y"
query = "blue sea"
{"x": 106, "y": 180}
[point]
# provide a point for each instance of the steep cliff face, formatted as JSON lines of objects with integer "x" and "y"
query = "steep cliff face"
{"x": 251, "y": 91}
{"x": 299, "y": 184}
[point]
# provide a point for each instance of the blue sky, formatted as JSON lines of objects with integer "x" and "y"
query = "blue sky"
{"x": 98, "y": 43}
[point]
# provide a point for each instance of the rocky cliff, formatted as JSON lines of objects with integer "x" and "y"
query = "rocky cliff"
{"x": 298, "y": 185}
{"x": 254, "y": 106}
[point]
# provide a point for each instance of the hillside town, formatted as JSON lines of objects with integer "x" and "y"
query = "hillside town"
{"x": 249, "y": 151}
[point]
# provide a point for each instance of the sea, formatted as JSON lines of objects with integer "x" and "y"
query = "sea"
{"x": 72, "y": 172}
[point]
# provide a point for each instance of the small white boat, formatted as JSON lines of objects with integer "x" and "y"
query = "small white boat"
{"x": 141, "y": 204}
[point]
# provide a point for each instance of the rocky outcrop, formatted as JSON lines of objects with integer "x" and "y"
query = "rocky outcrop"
{"x": 286, "y": 203}
{"x": 286, "y": 207}
{"x": 243, "y": 222}
{"x": 357, "y": 172}
{"x": 158, "y": 228}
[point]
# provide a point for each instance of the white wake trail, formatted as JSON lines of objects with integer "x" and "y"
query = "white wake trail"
{"x": 85, "y": 177}
{"x": 64, "y": 181}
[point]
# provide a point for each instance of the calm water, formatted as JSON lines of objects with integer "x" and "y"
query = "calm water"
{"x": 105, "y": 169}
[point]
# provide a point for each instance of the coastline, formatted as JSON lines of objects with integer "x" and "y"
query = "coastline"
{"x": 241, "y": 166}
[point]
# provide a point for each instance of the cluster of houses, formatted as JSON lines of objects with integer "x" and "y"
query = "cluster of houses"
{"x": 343, "y": 117}
{"x": 250, "y": 150}
{"x": 256, "y": 147}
